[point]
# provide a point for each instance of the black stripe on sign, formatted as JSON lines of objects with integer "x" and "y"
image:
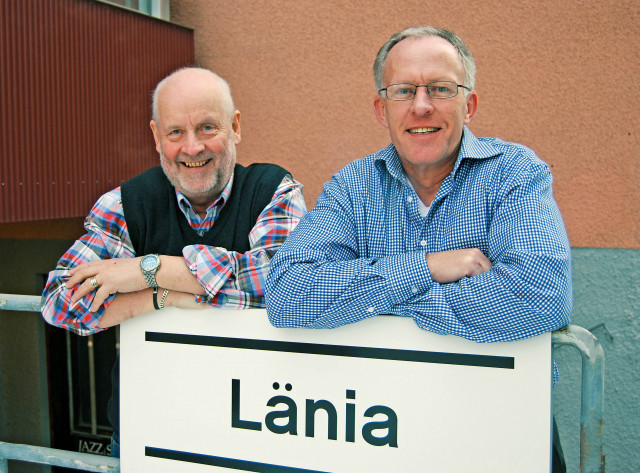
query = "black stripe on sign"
{"x": 486, "y": 361}
{"x": 223, "y": 462}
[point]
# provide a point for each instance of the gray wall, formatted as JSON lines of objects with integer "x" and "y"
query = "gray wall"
{"x": 606, "y": 302}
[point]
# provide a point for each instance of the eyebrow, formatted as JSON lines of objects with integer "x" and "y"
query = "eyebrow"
{"x": 209, "y": 120}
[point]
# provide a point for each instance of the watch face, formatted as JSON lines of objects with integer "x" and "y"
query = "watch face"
{"x": 149, "y": 262}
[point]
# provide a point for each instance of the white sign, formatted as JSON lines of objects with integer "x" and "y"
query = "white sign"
{"x": 223, "y": 390}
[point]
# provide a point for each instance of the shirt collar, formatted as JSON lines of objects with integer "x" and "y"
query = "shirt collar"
{"x": 218, "y": 203}
{"x": 389, "y": 157}
{"x": 471, "y": 148}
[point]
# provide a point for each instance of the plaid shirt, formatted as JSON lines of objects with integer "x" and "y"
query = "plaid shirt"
{"x": 362, "y": 250}
{"x": 230, "y": 279}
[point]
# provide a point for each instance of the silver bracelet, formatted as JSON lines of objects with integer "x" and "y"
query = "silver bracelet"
{"x": 164, "y": 296}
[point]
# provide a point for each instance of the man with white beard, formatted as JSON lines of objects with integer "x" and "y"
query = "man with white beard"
{"x": 198, "y": 230}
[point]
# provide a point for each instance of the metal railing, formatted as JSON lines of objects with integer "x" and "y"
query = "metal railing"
{"x": 55, "y": 457}
{"x": 44, "y": 455}
{"x": 592, "y": 457}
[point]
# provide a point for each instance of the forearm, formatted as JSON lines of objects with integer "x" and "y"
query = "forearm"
{"x": 326, "y": 275}
{"x": 59, "y": 306}
{"x": 324, "y": 294}
{"x": 236, "y": 279}
{"x": 126, "y": 306}
{"x": 106, "y": 238}
{"x": 174, "y": 274}
{"x": 506, "y": 303}
{"x": 70, "y": 300}
{"x": 229, "y": 278}
{"x": 58, "y": 310}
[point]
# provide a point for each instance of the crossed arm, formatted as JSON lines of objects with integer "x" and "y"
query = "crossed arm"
{"x": 338, "y": 267}
{"x": 122, "y": 276}
{"x": 203, "y": 274}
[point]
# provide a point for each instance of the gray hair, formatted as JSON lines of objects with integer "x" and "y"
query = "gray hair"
{"x": 227, "y": 99}
{"x": 468, "y": 63}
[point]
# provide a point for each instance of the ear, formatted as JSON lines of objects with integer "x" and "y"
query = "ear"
{"x": 472, "y": 106}
{"x": 235, "y": 125}
{"x": 380, "y": 111}
{"x": 156, "y": 136}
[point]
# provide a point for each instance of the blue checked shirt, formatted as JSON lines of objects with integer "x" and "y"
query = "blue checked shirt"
{"x": 362, "y": 250}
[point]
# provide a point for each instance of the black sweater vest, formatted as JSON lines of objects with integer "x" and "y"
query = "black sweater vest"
{"x": 157, "y": 225}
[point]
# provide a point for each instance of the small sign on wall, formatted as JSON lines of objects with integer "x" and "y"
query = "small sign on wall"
{"x": 223, "y": 390}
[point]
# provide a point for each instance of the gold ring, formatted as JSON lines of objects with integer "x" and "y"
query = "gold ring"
{"x": 94, "y": 283}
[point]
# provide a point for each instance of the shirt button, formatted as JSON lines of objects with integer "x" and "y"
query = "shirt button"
{"x": 409, "y": 199}
{"x": 370, "y": 309}
{"x": 423, "y": 243}
{"x": 414, "y": 289}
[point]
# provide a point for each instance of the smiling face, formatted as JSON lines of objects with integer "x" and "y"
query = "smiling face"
{"x": 196, "y": 134}
{"x": 426, "y": 132}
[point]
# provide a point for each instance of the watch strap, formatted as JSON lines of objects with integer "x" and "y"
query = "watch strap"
{"x": 155, "y": 299}
{"x": 150, "y": 279}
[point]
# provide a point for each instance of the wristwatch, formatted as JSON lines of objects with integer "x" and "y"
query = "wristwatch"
{"x": 149, "y": 264}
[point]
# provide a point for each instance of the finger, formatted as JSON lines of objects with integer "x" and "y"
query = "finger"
{"x": 76, "y": 279}
{"x": 82, "y": 268}
{"x": 99, "y": 298}
{"x": 78, "y": 274}
{"x": 482, "y": 266}
{"x": 83, "y": 289}
{"x": 480, "y": 263}
{"x": 487, "y": 265}
{"x": 80, "y": 291}
{"x": 85, "y": 270}
{"x": 485, "y": 262}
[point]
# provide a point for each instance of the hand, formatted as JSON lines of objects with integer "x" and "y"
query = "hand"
{"x": 111, "y": 275}
{"x": 451, "y": 266}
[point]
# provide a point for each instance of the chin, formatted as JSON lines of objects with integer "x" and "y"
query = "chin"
{"x": 196, "y": 188}
{"x": 200, "y": 194}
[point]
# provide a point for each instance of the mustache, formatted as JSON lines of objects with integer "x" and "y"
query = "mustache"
{"x": 201, "y": 156}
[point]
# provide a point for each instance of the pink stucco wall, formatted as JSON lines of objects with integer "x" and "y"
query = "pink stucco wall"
{"x": 558, "y": 76}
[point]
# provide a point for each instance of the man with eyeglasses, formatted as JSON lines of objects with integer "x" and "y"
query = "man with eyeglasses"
{"x": 460, "y": 233}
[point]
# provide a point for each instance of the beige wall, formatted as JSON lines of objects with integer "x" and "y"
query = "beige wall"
{"x": 301, "y": 75}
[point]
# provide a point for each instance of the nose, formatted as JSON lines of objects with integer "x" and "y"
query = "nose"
{"x": 192, "y": 145}
{"x": 422, "y": 103}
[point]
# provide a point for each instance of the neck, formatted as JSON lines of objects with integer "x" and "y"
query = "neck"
{"x": 201, "y": 201}
{"x": 200, "y": 210}
{"x": 200, "y": 205}
{"x": 426, "y": 190}
{"x": 426, "y": 180}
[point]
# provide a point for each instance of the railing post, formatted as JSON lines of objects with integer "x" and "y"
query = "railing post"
{"x": 592, "y": 457}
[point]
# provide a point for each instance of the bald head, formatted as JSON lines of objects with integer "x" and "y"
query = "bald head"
{"x": 192, "y": 80}
{"x": 196, "y": 128}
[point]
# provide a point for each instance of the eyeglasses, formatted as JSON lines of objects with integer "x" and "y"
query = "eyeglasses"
{"x": 436, "y": 90}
